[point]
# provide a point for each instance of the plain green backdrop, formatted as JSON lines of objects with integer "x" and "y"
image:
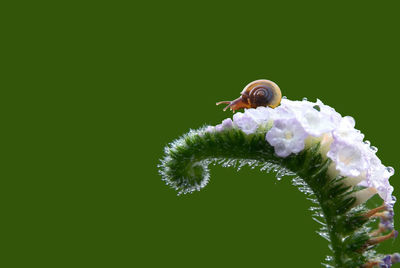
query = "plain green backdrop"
{"x": 97, "y": 89}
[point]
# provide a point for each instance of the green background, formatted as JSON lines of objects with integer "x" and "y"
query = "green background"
{"x": 98, "y": 89}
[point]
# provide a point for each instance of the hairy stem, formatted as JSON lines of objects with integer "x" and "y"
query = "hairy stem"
{"x": 185, "y": 168}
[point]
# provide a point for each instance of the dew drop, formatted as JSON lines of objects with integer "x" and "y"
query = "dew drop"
{"x": 318, "y": 214}
{"x": 316, "y": 107}
{"x": 329, "y": 258}
{"x": 305, "y": 99}
{"x": 390, "y": 170}
{"x": 313, "y": 200}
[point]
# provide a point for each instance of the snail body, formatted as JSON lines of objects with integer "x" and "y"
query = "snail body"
{"x": 257, "y": 93}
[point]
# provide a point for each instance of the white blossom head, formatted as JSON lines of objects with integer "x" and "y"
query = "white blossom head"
{"x": 296, "y": 124}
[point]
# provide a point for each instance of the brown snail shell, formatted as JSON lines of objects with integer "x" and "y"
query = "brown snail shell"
{"x": 257, "y": 93}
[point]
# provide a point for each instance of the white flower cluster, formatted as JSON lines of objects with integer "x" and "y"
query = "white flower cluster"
{"x": 294, "y": 124}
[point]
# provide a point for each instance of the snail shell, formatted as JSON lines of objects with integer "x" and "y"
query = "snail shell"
{"x": 262, "y": 93}
{"x": 257, "y": 93}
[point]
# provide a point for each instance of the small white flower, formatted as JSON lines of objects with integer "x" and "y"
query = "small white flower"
{"x": 316, "y": 123}
{"x": 287, "y": 136}
{"x": 210, "y": 129}
{"x": 296, "y": 106}
{"x": 350, "y": 158}
{"x": 377, "y": 176}
{"x": 346, "y": 130}
{"x": 227, "y": 123}
{"x": 219, "y": 128}
{"x": 261, "y": 114}
{"x": 287, "y": 109}
{"x": 315, "y": 118}
{"x": 245, "y": 122}
{"x": 329, "y": 112}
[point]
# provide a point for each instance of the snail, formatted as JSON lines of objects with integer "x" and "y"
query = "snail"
{"x": 257, "y": 93}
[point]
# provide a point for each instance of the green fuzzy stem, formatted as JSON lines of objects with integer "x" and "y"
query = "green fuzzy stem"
{"x": 185, "y": 168}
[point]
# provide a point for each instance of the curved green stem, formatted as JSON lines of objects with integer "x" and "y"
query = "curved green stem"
{"x": 185, "y": 168}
